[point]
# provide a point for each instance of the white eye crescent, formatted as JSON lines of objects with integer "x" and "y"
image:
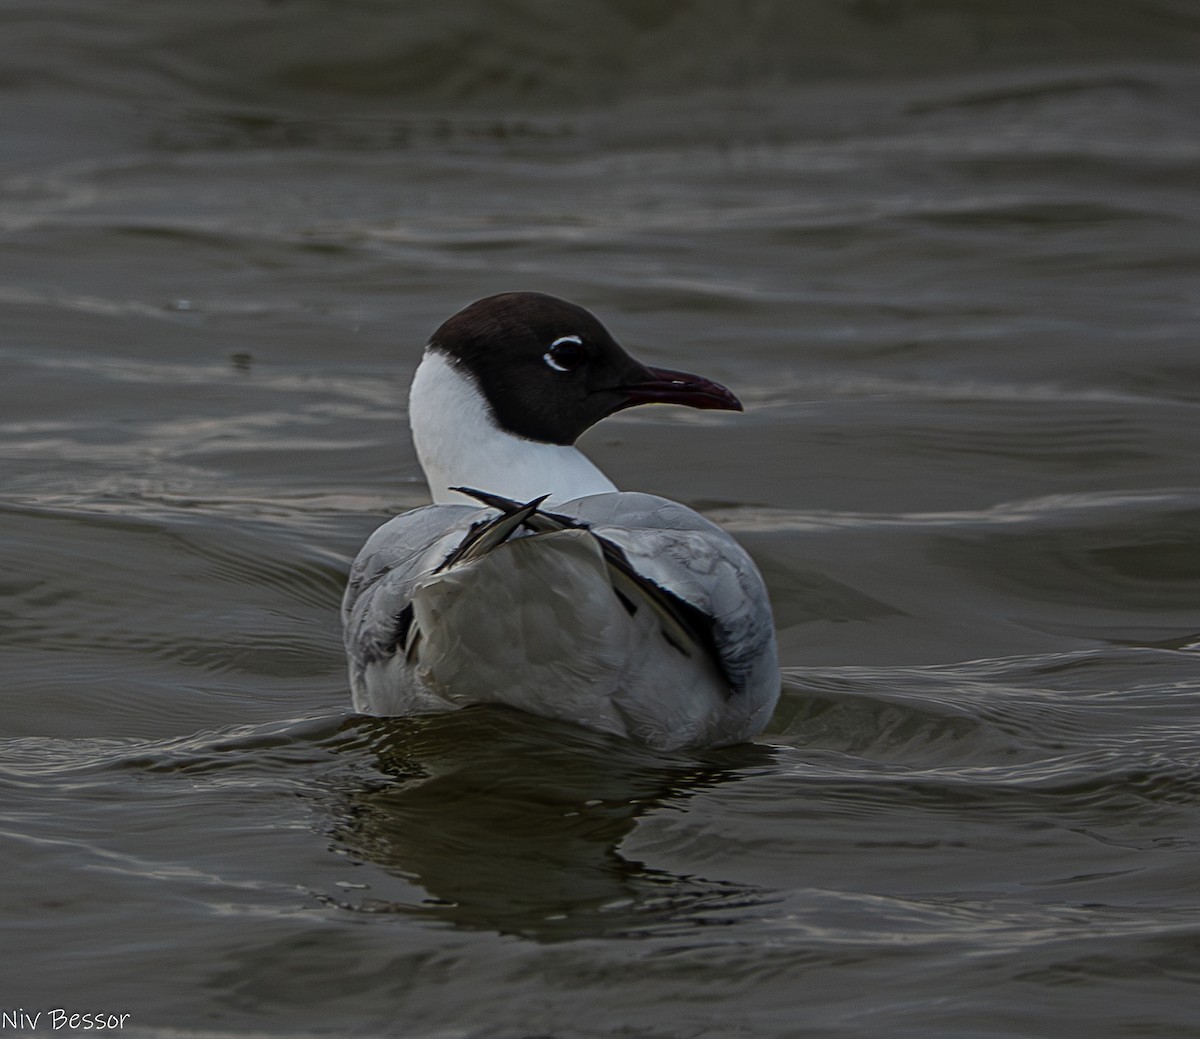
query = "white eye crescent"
{"x": 566, "y": 354}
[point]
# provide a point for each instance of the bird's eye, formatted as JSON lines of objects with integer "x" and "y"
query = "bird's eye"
{"x": 566, "y": 354}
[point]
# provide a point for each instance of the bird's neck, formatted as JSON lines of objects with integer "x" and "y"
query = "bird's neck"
{"x": 459, "y": 445}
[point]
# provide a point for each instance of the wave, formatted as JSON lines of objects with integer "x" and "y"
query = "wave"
{"x": 527, "y": 52}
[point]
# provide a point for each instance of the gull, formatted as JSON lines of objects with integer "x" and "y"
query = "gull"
{"x": 532, "y": 581}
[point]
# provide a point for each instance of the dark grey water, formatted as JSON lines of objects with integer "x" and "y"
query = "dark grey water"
{"x": 949, "y": 255}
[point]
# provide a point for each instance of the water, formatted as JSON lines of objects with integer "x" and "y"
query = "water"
{"x": 947, "y": 254}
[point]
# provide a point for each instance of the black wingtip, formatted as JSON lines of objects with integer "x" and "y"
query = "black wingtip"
{"x": 486, "y": 535}
{"x": 498, "y": 501}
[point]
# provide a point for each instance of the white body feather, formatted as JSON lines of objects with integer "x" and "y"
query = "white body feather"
{"x": 459, "y": 445}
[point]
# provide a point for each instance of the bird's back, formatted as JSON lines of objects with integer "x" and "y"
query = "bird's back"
{"x": 636, "y": 617}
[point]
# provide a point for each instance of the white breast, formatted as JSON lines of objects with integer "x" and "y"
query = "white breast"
{"x": 459, "y": 445}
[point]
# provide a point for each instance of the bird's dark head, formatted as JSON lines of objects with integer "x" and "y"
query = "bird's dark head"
{"x": 549, "y": 369}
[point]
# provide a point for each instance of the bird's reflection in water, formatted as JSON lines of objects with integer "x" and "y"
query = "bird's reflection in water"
{"x": 513, "y": 824}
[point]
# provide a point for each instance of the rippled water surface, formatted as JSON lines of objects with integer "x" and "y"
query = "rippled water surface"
{"x": 949, "y": 256}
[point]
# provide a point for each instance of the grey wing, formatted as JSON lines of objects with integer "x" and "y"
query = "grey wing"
{"x": 375, "y": 608}
{"x": 693, "y": 558}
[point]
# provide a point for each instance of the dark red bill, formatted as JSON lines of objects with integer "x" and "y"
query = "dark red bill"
{"x": 668, "y": 387}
